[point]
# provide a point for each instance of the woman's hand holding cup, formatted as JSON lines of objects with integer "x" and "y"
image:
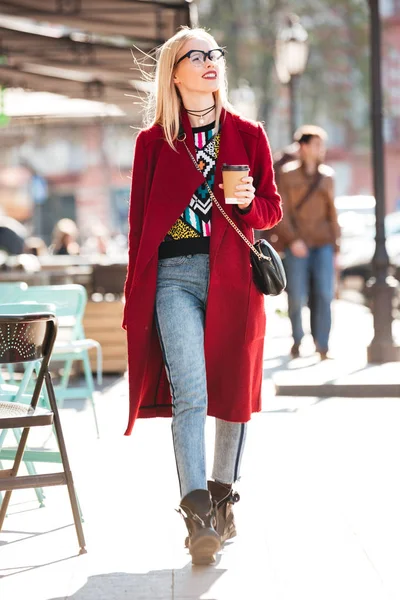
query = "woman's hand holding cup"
{"x": 238, "y": 189}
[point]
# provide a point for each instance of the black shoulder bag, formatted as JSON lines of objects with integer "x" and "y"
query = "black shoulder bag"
{"x": 268, "y": 272}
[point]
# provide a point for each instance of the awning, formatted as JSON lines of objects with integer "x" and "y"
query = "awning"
{"x": 84, "y": 48}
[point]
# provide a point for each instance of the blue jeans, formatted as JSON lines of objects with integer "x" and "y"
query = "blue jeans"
{"x": 319, "y": 268}
{"x": 181, "y": 299}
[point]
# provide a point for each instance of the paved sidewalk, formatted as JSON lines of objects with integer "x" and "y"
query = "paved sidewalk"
{"x": 318, "y": 519}
{"x": 347, "y": 374}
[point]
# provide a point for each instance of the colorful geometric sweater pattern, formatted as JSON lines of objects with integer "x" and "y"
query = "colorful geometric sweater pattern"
{"x": 191, "y": 232}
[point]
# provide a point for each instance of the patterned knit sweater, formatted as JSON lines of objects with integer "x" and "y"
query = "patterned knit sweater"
{"x": 191, "y": 232}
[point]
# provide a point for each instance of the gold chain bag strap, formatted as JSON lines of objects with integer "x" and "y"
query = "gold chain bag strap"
{"x": 268, "y": 271}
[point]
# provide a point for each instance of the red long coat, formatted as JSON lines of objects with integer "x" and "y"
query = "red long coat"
{"x": 163, "y": 182}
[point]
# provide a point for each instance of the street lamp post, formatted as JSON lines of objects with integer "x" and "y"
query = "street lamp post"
{"x": 294, "y": 103}
{"x": 291, "y": 55}
{"x": 382, "y": 348}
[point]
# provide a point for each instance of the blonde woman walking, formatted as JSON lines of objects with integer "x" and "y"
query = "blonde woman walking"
{"x": 194, "y": 318}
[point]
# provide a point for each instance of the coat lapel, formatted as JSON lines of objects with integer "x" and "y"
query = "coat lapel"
{"x": 174, "y": 181}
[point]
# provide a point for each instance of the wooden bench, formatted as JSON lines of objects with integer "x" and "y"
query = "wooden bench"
{"x": 102, "y": 322}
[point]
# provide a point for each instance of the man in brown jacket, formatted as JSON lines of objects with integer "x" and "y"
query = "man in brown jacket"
{"x": 309, "y": 236}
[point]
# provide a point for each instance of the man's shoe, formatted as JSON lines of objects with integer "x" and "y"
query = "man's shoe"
{"x": 295, "y": 351}
{"x": 323, "y": 354}
{"x": 224, "y": 498}
{"x": 199, "y": 513}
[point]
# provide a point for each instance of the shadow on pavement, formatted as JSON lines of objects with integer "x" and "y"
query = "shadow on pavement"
{"x": 284, "y": 362}
{"x": 287, "y": 409}
{"x": 188, "y": 583}
{"x": 28, "y": 534}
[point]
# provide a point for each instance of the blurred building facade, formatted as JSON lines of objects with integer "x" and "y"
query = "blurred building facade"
{"x": 75, "y": 168}
{"x": 71, "y": 79}
{"x": 80, "y": 167}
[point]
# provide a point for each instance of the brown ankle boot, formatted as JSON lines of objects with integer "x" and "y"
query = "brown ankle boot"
{"x": 224, "y": 498}
{"x": 198, "y": 510}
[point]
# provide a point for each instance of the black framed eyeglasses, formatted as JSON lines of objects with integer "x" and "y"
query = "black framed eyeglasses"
{"x": 199, "y": 57}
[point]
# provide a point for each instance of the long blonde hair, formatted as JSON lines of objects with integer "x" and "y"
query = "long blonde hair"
{"x": 162, "y": 107}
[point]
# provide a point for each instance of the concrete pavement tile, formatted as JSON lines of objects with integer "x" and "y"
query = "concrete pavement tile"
{"x": 318, "y": 516}
{"x": 315, "y": 454}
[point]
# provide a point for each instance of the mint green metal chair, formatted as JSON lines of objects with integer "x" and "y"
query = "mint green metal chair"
{"x": 71, "y": 344}
{"x": 8, "y": 288}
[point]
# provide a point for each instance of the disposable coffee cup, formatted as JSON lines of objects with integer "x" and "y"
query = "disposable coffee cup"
{"x": 231, "y": 177}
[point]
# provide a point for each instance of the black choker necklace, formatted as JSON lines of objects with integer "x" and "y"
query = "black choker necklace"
{"x": 201, "y": 113}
